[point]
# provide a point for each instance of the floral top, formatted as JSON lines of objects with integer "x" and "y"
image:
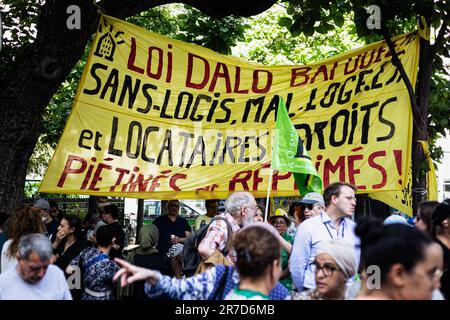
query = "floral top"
{"x": 306, "y": 295}
{"x": 98, "y": 275}
{"x": 204, "y": 286}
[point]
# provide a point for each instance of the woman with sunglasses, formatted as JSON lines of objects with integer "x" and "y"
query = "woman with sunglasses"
{"x": 309, "y": 206}
{"x": 423, "y": 219}
{"x": 334, "y": 264}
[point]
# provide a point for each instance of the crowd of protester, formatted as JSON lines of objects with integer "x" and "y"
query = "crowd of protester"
{"x": 311, "y": 251}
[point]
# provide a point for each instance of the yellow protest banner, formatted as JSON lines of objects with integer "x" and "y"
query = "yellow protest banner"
{"x": 159, "y": 118}
{"x": 402, "y": 199}
{"x": 432, "y": 187}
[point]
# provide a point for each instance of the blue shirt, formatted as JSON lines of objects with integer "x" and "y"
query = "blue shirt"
{"x": 309, "y": 237}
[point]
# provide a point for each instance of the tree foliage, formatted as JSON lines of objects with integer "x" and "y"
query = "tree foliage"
{"x": 269, "y": 42}
{"x": 428, "y": 100}
{"x": 179, "y": 22}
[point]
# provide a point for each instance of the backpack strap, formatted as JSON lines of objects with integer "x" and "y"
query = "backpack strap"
{"x": 94, "y": 260}
{"x": 227, "y": 247}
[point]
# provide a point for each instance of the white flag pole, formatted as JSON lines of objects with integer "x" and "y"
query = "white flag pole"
{"x": 268, "y": 195}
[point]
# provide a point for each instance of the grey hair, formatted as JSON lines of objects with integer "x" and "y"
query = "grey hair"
{"x": 236, "y": 202}
{"x": 35, "y": 242}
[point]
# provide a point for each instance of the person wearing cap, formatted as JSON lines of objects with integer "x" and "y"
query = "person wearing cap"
{"x": 312, "y": 204}
{"x": 309, "y": 206}
{"x": 334, "y": 264}
{"x": 280, "y": 220}
{"x": 333, "y": 222}
{"x": 42, "y": 207}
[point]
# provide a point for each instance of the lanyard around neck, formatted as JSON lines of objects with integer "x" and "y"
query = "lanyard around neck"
{"x": 329, "y": 232}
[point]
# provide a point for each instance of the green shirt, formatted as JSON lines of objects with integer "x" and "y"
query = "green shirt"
{"x": 244, "y": 294}
{"x": 287, "y": 282}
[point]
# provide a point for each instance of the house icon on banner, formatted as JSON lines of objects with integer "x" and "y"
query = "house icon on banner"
{"x": 107, "y": 43}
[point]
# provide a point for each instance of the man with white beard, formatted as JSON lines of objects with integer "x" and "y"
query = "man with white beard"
{"x": 240, "y": 210}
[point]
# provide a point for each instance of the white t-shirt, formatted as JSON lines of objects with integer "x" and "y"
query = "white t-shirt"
{"x": 52, "y": 287}
{"x": 7, "y": 261}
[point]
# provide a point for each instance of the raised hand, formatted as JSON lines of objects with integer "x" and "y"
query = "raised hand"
{"x": 130, "y": 273}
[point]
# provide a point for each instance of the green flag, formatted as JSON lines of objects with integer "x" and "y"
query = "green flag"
{"x": 289, "y": 154}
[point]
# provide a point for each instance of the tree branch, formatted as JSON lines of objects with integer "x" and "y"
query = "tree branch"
{"x": 127, "y": 8}
{"x": 440, "y": 37}
{"x": 223, "y": 8}
{"x": 396, "y": 62}
{"x": 213, "y": 8}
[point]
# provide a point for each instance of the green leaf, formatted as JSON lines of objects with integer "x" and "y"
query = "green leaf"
{"x": 285, "y": 22}
{"x": 308, "y": 31}
{"x": 339, "y": 20}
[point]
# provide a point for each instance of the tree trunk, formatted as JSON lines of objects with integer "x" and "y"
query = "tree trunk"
{"x": 35, "y": 76}
{"x": 420, "y": 128}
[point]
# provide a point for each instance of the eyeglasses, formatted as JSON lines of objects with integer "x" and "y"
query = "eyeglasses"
{"x": 279, "y": 223}
{"x": 327, "y": 269}
{"x": 308, "y": 206}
